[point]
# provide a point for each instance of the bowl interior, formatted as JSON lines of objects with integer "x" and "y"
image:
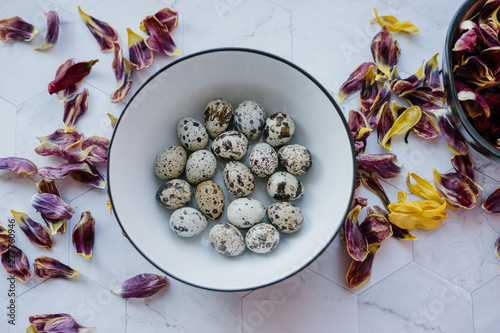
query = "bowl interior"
{"x": 148, "y": 125}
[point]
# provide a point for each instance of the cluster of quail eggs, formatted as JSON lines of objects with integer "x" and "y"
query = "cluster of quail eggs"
{"x": 230, "y": 131}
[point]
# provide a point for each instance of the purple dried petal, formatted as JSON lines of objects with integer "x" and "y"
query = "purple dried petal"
{"x": 385, "y": 121}
{"x": 4, "y": 239}
{"x": 458, "y": 189}
{"x": 74, "y": 155}
{"x": 369, "y": 91}
{"x": 383, "y": 165}
{"x": 463, "y": 164}
{"x": 356, "y": 121}
{"x": 100, "y": 146}
{"x": 372, "y": 114}
{"x": 473, "y": 71}
{"x": 489, "y": 35}
{"x": 468, "y": 38}
{"x": 397, "y": 232}
{"x": 472, "y": 102}
{"x": 426, "y": 127}
{"x": 124, "y": 84}
{"x": 492, "y": 203}
{"x": 52, "y": 206}
{"x": 398, "y": 85}
{"x": 104, "y": 34}
{"x": 359, "y": 272}
{"x": 16, "y": 264}
{"x": 52, "y": 31}
{"x": 93, "y": 177}
{"x": 431, "y": 71}
{"x": 454, "y": 139}
{"x": 356, "y": 243}
{"x": 372, "y": 183}
{"x": 358, "y": 201}
{"x": 354, "y": 82}
{"x": 491, "y": 58}
{"x": 69, "y": 77}
{"x": 385, "y": 50}
{"x": 376, "y": 228}
{"x": 46, "y": 267}
{"x": 19, "y": 165}
{"x": 141, "y": 56}
{"x": 62, "y": 138}
{"x": 56, "y": 226}
{"x": 35, "y": 232}
{"x": 159, "y": 39}
{"x": 84, "y": 235}
{"x": 426, "y": 98}
{"x": 497, "y": 247}
{"x": 15, "y": 28}
{"x": 84, "y": 172}
{"x": 140, "y": 286}
{"x": 74, "y": 109}
{"x": 168, "y": 17}
{"x": 60, "y": 322}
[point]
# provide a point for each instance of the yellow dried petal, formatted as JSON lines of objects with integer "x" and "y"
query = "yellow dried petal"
{"x": 403, "y": 124}
{"x": 423, "y": 188}
{"x": 393, "y": 23}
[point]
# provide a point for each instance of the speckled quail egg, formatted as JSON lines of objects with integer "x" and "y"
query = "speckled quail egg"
{"x": 170, "y": 162}
{"x": 238, "y": 179}
{"x": 245, "y": 212}
{"x": 230, "y": 145}
{"x": 226, "y": 239}
{"x": 249, "y": 119}
{"x": 296, "y": 159}
{"x": 209, "y": 198}
{"x": 284, "y": 186}
{"x": 262, "y": 238}
{"x": 279, "y": 129}
{"x": 285, "y": 216}
{"x": 187, "y": 222}
{"x": 218, "y": 115}
{"x": 192, "y": 133}
{"x": 263, "y": 160}
{"x": 201, "y": 165}
{"x": 173, "y": 194}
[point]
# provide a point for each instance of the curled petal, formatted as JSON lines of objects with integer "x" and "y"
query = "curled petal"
{"x": 159, "y": 39}
{"x": 356, "y": 243}
{"x": 491, "y": 58}
{"x": 467, "y": 41}
{"x": 376, "y": 228}
{"x": 62, "y": 138}
{"x": 426, "y": 98}
{"x": 75, "y": 108}
{"x": 124, "y": 84}
{"x": 140, "y": 286}
{"x": 104, "y": 34}
{"x": 369, "y": 90}
{"x": 93, "y": 178}
{"x": 471, "y": 101}
{"x": 359, "y": 272}
{"x": 492, "y": 203}
{"x": 16, "y": 264}
{"x": 21, "y": 166}
{"x": 99, "y": 145}
{"x": 463, "y": 164}
{"x": 423, "y": 188}
{"x": 141, "y": 56}
{"x": 52, "y": 206}
{"x": 426, "y": 128}
{"x": 69, "y": 78}
{"x": 383, "y": 165}
{"x": 52, "y": 31}
{"x": 385, "y": 50}
{"x": 497, "y": 247}
{"x": 35, "y": 232}
{"x": 4, "y": 239}
{"x": 355, "y": 81}
{"x": 397, "y": 232}
{"x": 472, "y": 70}
{"x": 56, "y": 226}
{"x": 394, "y": 25}
{"x": 458, "y": 189}
{"x": 74, "y": 155}
{"x": 372, "y": 183}
{"x": 46, "y": 267}
{"x": 356, "y": 121}
{"x": 168, "y": 17}
{"x": 84, "y": 172}
{"x": 84, "y": 235}
{"x": 454, "y": 139}
{"x": 403, "y": 124}
{"x": 113, "y": 120}
{"x": 398, "y": 86}
{"x": 59, "y": 322}
{"x": 15, "y": 28}
{"x": 432, "y": 73}
{"x": 381, "y": 99}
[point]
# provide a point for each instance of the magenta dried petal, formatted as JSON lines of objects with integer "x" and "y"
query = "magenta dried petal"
{"x": 492, "y": 203}
{"x": 397, "y": 232}
{"x": 384, "y": 121}
{"x": 376, "y": 228}
{"x": 431, "y": 71}
{"x": 52, "y": 206}
{"x": 497, "y": 247}
{"x": 426, "y": 98}
{"x": 100, "y": 146}
{"x": 59, "y": 322}
{"x": 56, "y": 226}
{"x": 473, "y": 71}
{"x": 69, "y": 78}
{"x": 91, "y": 177}
{"x": 46, "y": 267}
{"x": 372, "y": 183}
{"x": 454, "y": 139}
{"x": 75, "y": 108}
{"x": 84, "y": 235}
{"x": 489, "y": 35}
{"x": 426, "y": 127}
{"x": 385, "y": 50}
{"x": 73, "y": 155}
{"x": 16, "y": 264}
{"x": 491, "y": 58}
{"x": 359, "y": 272}
{"x": 354, "y": 82}
{"x": 458, "y": 189}
{"x": 62, "y": 138}
{"x": 104, "y": 34}
{"x": 141, "y": 56}
{"x": 399, "y": 85}
{"x": 159, "y": 40}
{"x": 4, "y": 239}
{"x": 383, "y": 165}
{"x": 369, "y": 91}
{"x": 356, "y": 243}
{"x": 468, "y": 38}
{"x": 15, "y": 28}
{"x": 381, "y": 99}
{"x": 35, "y": 232}
{"x": 168, "y": 17}
{"x": 60, "y": 172}
{"x": 463, "y": 164}
{"x": 356, "y": 121}
{"x": 19, "y": 165}
{"x": 471, "y": 101}
{"x": 140, "y": 286}
{"x": 123, "y": 85}
{"x": 52, "y": 31}
{"x": 358, "y": 201}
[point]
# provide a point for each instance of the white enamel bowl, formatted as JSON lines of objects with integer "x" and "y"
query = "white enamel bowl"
{"x": 183, "y": 88}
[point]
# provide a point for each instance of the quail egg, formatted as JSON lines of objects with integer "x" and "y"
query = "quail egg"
{"x": 262, "y": 238}
{"x": 192, "y": 134}
{"x": 209, "y": 198}
{"x": 170, "y": 162}
{"x": 245, "y": 212}
{"x": 285, "y": 216}
{"x": 173, "y": 194}
{"x": 218, "y": 115}
{"x": 284, "y": 186}
{"x": 187, "y": 222}
{"x": 249, "y": 118}
{"x": 231, "y": 145}
{"x": 226, "y": 239}
{"x": 279, "y": 129}
{"x": 296, "y": 159}
{"x": 201, "y": 165}
{"x": 263, "y": 160}
{"x": 238, "y": 179}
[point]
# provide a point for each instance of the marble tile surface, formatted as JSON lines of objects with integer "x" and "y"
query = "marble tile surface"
{"x": 447, "y": 280}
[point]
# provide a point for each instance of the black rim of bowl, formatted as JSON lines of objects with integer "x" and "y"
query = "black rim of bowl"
{"x": 262, "y": 53}
{"x": 485, "y": 146}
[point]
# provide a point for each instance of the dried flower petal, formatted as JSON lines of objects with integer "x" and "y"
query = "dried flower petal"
{"x": 140, "y": 286}
{"x": 463, "y": 164}
{"x": 426, "y": 128}
{"x": 472, "y": 70}
{"x": 84, "y": 172}
{"x": 432, "y": 73}
{"x": 4, "y": 239}
{"x": 394, "y": 25}
{"x": 384, "y": 121}
{"x": 397, "y": 232}
{"x": 385, "y": 50}
{"x": 16, "y": 264}
{"x": 355, "y": 81}
{"x": 141, "y": 56}
{"x": 75, "y": 108}
{"x": 423, "y": 188}
{"x": 15, "y": 28}
{"x": 93, "y": 177}
{"x": 372, "y": 183}
{"x": 113, "y": 120}
{"x": 100, "y": 146}
{"x": 356, "y": 243}
{"x": 359, "y": 272}
{"x": 427, "y": 98}
{"x": 74, "y": 155}
{"x": 471, "y": 101}
{"x": 497, "y": 247}
{"x": 168, "y": 17}
{"x": 52, "y": 206}
{"x": 383, "y": 165}
{"x": 467, "y": 40}
{"x": 84, "y": 235}
{"x": 492, "y": 203}
{"x": 376, "y": 228}
{"x": 70, "y": 77}
{"x": 46, "y": 267}
{"x": 35, "y": 232}
{"x": 458, "y": 189}
{"x": 159, "y": 39}
{"x": 123, "y": 84}
{"x": 62, "y": 138}
{"x": 398, "y": 85}
{"x": 104, "y": 34}
{"x": 454, "y": 139}
{"x": 56, "y": 226}
{"x": 52, "y": 31}
{"x": 403, "y": 124}
{"x": 21, "y": 166}
{"x": 60, "y": 322}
